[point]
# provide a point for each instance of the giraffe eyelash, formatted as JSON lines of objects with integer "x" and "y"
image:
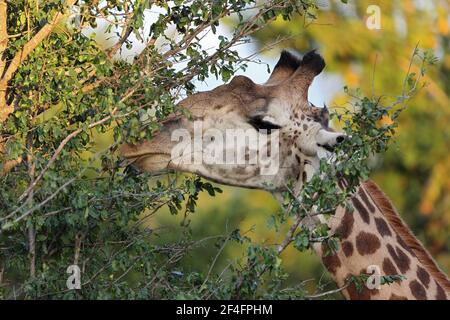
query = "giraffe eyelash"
{"x": 259, "y": 124}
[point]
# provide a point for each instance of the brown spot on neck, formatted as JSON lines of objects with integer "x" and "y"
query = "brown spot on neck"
{"x": 388, "y": 267}
{"x": 417, "y": 290}
{"x": 423, "y": 276}
{"x": 400, "y": 258}
{"x": 330, "y": 261}
{"x": 347, "y": 247}
{"x": 346, "y": 226}
{"x": 367, "y": 243}
{"x": 440, "y": 293}
{"x": 382, "y": 227}
{"x": 361, "y": 210}
{"x": 366, "y": 200}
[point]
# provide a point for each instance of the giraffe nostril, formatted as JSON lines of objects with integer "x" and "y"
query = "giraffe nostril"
{"x": 340, "y": 139}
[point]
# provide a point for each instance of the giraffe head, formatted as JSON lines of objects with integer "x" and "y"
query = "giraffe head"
{"x": 246, "y": 134}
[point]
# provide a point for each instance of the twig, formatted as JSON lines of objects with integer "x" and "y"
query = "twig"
{"x": 27, "y": 213}
{"x": 78, "y": 241}
{"x": 32, "y": 249}
{"x": 60, "y": 149}
{"x": 125, "y": 34}
{"x": 290, "y": 234}
{"x": 31, "y": 228}
{"x": 327, "y": 293}
{"x": 213, "y": 263}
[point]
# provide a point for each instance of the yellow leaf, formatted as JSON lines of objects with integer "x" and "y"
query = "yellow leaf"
{"x": 442, "y": 25}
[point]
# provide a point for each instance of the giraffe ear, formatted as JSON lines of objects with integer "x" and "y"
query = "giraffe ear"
{"x": 285, "y": 67}
{"x": 311, "y": 65}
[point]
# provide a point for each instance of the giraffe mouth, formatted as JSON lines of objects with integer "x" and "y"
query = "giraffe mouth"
{"x": 326, "y": 147}
{"x": 328, "y": 140}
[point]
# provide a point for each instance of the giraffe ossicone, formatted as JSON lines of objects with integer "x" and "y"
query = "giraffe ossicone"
{"x": 273, "y": 124}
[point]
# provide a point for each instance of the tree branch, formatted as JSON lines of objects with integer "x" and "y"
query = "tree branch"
{"x": 327, "y": 293}
{"x": 31, "y": 229}
{"x": 125, "y": 34}
{"x": 3, "y": 35}
{"x": 78, "y": 241}
{"x": 20, "y": 56}
{"x": 60, "y": 149}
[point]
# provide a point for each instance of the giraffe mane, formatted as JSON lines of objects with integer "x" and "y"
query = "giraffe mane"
{"x": 403, "y": 231}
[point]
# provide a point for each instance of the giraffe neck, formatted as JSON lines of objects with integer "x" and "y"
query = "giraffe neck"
{"x": 374, "y": 235}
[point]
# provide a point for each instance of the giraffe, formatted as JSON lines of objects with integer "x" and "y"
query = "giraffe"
{"x": 373, "y": 234}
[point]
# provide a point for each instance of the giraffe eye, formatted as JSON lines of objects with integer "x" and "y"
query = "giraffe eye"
{"x": 259, "y": 123}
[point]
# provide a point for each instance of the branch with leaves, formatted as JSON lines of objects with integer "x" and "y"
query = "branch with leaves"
{"x": 61, "y": 91}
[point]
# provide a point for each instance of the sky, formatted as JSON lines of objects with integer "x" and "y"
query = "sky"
{"x": 322, "y": 91}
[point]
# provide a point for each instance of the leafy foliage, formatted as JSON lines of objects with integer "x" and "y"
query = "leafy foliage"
{"x": 64, "y": 199}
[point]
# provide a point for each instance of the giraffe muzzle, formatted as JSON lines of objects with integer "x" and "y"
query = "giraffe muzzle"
{"x": 329, "y": 140}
